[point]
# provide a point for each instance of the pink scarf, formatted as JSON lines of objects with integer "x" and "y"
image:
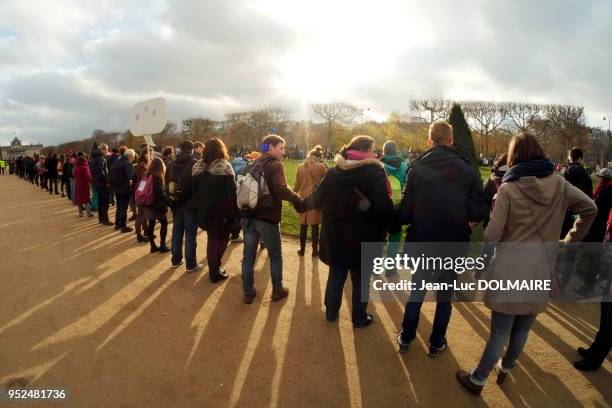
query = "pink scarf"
{"x": 359, "y": 155}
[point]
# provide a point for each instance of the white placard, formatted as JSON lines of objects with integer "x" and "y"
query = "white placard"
{"x": 148, "y": 117}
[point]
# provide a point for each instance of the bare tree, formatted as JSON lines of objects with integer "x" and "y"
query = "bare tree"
{"x": 333, "y": 113}
{"x": 566, "y": 125}
{"x": 430, "y": 110}
{"x": 484, "y": 118}
{"x": 522, "y": 115}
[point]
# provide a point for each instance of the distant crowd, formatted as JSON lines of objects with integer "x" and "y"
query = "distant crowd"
{"x": 365, "y": 197}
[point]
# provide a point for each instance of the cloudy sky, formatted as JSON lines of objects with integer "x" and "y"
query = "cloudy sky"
{"x": 68, "y": 67}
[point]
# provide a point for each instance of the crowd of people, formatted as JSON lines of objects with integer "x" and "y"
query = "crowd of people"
{"x": 365, "y": 197}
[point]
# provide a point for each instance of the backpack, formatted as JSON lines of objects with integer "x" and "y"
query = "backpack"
{"x": 396, "y": 189}
{"x": 144, "y": 194}
{"x": 252, "y": 192}
{"x": 116, "y": 174}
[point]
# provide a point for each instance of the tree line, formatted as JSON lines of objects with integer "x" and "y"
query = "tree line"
{"x": 558, "y": 127}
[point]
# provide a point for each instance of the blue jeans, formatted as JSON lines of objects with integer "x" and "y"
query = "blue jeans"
{"x": 270, "y": 235}
{"x": 503, "y": 326}
{"x": 444, "y": 309}
{"x": 184, "y": 223}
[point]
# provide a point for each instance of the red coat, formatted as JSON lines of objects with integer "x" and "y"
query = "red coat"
{"x": 82, "y": 182}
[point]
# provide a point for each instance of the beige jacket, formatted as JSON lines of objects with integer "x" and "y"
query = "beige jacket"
{"x": 527, "y": 213}
{"x": 309, "y": 174}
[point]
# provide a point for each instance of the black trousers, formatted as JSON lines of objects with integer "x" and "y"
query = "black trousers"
{"x": 304, "y": 234}
{"x": 52, "y": 185}
{"x": 103, "y": 198}
{"x": 603, "y": 340}
{"x": 333, "y": 293}
{"x": 123, "y": 201}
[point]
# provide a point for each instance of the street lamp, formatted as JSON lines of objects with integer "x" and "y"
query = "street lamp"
{"x": 609, "y": 137}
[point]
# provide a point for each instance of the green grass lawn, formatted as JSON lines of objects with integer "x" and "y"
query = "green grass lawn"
{"x": 290, "y": 223}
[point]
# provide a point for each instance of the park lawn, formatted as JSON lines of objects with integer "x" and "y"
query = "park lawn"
{"x": 290, "y": 222}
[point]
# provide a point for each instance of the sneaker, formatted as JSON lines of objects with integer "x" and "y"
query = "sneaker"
{"x": 154, "y": 249}
{"x": 280, "y": 293}
{"x": 403, "y": 345}
{"x": 140, "y": 238}
{"x": 173, "y": 266}
{"x": 248, "y": 297}
{"x": 436, "y": 351}
{"x": 586, "y": 365}
{"x": 107, "y": 223}
{"x": 127, "y": 229}
{"x": 464, "y": 379}
{"x": 220, "y": 276}
{"x": 198, "y": 268}
{"x": 368, "y": 321}
{"x": 163, "y": 249}
{"x": 502, "y": 373}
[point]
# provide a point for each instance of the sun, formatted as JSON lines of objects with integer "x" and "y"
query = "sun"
{"x": 341, "y": 44}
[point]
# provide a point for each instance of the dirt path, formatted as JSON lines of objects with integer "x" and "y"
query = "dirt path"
{"x": 88, "y": 310}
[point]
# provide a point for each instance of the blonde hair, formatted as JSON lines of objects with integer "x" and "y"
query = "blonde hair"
{"x": 440, "y": 132}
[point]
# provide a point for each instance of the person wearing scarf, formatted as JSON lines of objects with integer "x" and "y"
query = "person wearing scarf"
{"x": 354, "y": 198}
{"x": 529, "y": 211}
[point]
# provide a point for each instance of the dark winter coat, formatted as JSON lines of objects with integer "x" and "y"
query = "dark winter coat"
{"x": 159, "y": 208}
{"x": 215, "y": 188}
{"x": 82, "y": 182}
{"x": 356, "y": 208}
{"x": 51, "y": 165}
{"x": 277, "y": 184}
{"x": 180, "y": 173}
{"x": 443, "y": 194}
{"x": 124, "y": 167}
{"x": 99, "y": 169}
{"x": 578, "y": 177}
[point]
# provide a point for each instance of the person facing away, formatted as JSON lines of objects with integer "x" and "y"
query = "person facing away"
{"x": 99, "y": 172}
{"x": 530, "y": 207}
{"x": 308, "y": 175}
{"x": 184, "y": 207}
{"x": 83, "y": 181}
{"x": 140, "y": 172}
{"x": 597, "y": 232}
{"x": 577, "y": 175}
{"x": 215, "y": 186}
{"x": 157, "y": 210}
{"x": 264, "y": 222}
{"x": 443, "y": 195}
{"x": 396, "y": 168}
{"x": 120, "y": 175}
{"x": 51, "y": 167}
{"x": 355, "y": 200}
{"x": 492, "y": 184}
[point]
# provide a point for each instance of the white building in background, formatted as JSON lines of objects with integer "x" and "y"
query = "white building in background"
{"x": 599, "y": 150}
{"x": 17, "y": 149}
